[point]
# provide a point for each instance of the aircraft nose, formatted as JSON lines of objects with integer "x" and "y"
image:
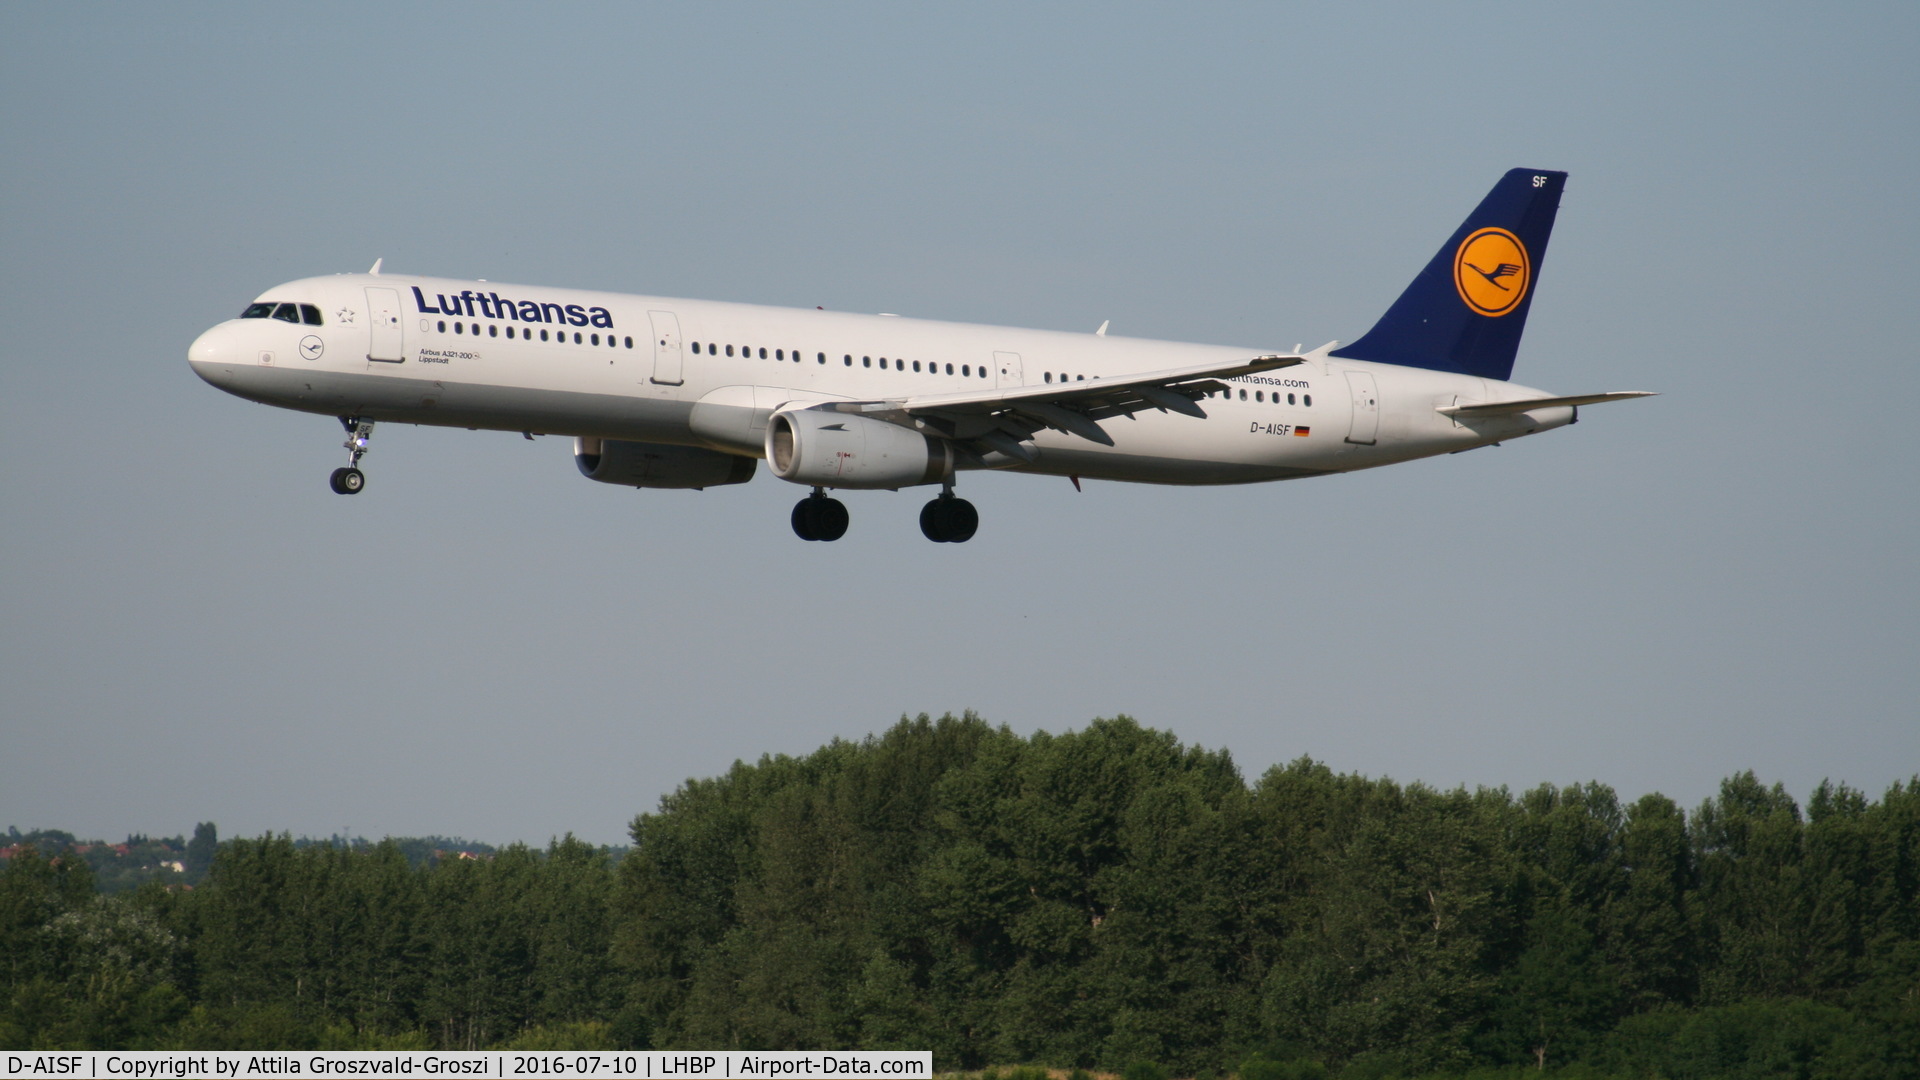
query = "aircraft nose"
{"x": 206, "y": 348}
{"x": 214, "y": 354}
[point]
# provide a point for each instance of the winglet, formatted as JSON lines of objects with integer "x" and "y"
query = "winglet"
{"x": 1102, "y": 332}
{"x": 376, "y": 266}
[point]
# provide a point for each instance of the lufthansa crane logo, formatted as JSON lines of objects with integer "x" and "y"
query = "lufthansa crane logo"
{"x": 1492, "y": 271}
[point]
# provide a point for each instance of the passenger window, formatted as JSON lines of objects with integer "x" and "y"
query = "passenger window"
{"x": 916, "y": 366}
{"x": 1243, "y": 395}
{"x": 849, "y": 361}
{"x": 576, "y": 337}
{"x": 1049, "y": 376}
{"x": 865, "y": 361}
{"x": 310, "y": 314}
{"x": 492, "y": 330}
{"x": 967, "y": 370}
{"x": 443, "y": 326}
{"x": 763, "y": 354}
{"x": 287, "y": 313}
{"x": 696, "y": 348}
{"x": 1290, "y": 400}
{"x": 779, "y": 354}
{"x": 1259, "y": 395}
{"x": 596, "y": 339}
{"x": 257, "y": 311}
{"x": 543, "y": 334}
{"x": 1308, "y": 398}
{"x": 459, "y": 328}
{"x": 729, "y": 350}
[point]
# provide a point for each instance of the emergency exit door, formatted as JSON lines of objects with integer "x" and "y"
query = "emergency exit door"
{"x": 1006, "y": 367}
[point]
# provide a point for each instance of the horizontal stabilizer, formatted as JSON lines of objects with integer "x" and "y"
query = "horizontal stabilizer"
{"x": 1507, "y": 408}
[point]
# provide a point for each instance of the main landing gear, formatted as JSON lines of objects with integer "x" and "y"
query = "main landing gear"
{"x": 945, "y": 520}
{"x": 949, "y": 520}
{"x": 350, "y": 480}
{"x": 818, "y": 517}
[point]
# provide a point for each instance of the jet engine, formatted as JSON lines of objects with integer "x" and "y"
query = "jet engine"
{"x": 657, "y": 465}
{"x": 825, "y": 448}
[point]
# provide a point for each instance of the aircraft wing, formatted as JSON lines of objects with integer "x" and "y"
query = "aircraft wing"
{"x": 1004, "y": 418}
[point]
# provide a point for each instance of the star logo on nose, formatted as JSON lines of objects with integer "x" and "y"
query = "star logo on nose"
{"x": 345, "y": 315}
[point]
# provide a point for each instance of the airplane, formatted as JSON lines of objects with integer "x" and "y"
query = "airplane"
{"x": 669, "y": 393}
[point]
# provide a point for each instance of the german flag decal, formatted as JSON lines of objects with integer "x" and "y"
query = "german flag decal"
{"x": 1302, "y": 430}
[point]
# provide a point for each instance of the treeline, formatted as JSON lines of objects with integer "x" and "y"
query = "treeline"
{"x": 1100, "y": 899}
{"x": 140, "y": 859}
{"x": 174, "y": 860}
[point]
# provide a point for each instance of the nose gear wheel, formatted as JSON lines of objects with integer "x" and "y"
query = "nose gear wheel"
{"x": 350, "y": 480}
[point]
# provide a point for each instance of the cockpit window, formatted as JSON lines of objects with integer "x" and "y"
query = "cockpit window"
{"x": 287, "y": 313}
{"x": 257, "y": 311}
{"x": 310, "y": 314}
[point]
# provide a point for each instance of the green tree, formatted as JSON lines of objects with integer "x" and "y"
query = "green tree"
{"x": 201, "y": 851}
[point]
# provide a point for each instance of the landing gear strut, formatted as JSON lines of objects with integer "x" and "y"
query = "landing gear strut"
{"x": 948, "y": 519}
{"x": 818, "y": 517}
{"x": 350, "y": 480}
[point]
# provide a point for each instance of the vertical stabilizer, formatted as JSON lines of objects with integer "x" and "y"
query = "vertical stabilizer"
{"x": 1465, "y": 311}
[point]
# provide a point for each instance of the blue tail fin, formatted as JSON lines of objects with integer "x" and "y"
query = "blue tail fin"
{"x": 1465, "y": 311}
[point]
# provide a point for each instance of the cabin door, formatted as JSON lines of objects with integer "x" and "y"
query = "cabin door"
{"x": 666, "y": 348}
{"x": 1365, "y": 429}
{"x": 383, "y": 326}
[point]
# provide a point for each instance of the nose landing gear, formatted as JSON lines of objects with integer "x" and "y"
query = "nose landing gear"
{"x": 350, "y": 480}
{"x": 818, "y": 517}
{"x": 949, "y": 519}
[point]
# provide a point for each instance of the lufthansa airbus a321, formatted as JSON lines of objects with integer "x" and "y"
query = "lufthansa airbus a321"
{"x": 667, "y": 393}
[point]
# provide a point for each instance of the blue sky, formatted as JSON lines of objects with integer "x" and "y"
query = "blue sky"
{"x": 486, "y": 644}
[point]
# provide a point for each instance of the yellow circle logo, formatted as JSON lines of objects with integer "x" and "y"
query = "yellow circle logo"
{"x": 1492, "y": 271}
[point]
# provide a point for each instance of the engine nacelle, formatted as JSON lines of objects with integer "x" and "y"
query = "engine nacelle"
{"x": 823, "y": 448}
{"x": 657, "y": 465}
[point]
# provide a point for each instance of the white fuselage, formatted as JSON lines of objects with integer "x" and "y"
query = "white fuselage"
{"x": 700, "y": 373}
